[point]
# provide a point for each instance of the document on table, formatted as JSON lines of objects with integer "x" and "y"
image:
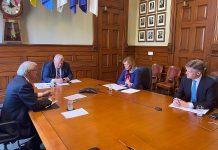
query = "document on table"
{"x": 42, "y": 85}
{"x": 130, "y": 91}
{"x": 75, "y": 96}
{"x": 74, "y": 113}
{"x": 204, "y": 111}
{"x": 62, "y": 84}
{"x": 75, "y": 81}
{"x": 115, "y": 87}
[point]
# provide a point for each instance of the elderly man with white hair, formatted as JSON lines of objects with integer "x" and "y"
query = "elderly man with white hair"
{"x": 57, "y": 71}
{"x": 20, "y": 98}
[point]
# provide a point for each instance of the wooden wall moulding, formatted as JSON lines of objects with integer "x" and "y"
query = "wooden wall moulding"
{"x": 83, "y": 60}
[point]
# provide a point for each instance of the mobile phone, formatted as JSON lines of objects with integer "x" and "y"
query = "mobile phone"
{"x": 214, "y": 116}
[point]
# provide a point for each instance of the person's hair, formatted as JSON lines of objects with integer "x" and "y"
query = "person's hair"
{"x": 25, "y": 67}
{"x": 197, "y": 65}
{"x": 130, "y": 61}
{"x": 58, "y": 57}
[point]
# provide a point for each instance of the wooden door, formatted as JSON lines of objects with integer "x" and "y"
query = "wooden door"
{"x": 193, "y": 30}
{"x": 110, "y": 39}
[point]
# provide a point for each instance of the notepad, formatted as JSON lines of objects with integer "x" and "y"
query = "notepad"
{"x": 62, "y": 84}
{"x": 42, "y": 85}
{"x": 204, "y": 111}
{"x": 74, "y": 113}
{"x": 75, "y": 81}
{"x": 130, "y": 91}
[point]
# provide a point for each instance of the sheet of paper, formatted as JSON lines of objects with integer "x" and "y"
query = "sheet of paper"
{"x": 74, "y": 113}
{"x": 189, "y": 109}
{"x": 62, "y": 84}
{"x": 42, "y": 85}
{"x": 75, "y": 96}
{"x": 115, "y": 87}
{"x": 130, "y": 91}
{"x": 75, "y": 81}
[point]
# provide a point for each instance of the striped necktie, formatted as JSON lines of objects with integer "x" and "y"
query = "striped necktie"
{"x": 58, "y": 75}
{"x": 193, "y": 91}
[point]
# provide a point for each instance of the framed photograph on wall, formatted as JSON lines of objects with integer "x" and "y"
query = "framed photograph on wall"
{"x": 161, "y": 19}
{"x": 142, "y": 8}
{"x": 160, "y": 35}
{"x": 141, "y": 35}
{"x": 12, "y": 32}
{"x": 151, "y": 6}
{"x": 142, "y": 22}
{"x": 151, "y": 20}
{"x": 161, "y": 5}
{"x": 150, "y": 35}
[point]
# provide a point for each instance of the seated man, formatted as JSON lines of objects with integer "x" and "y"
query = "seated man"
{"x": 130, "y": 75}
{"x": 57, "y": 71}
{"x": 20, "y": 98}
{"x": 195, "y": 88}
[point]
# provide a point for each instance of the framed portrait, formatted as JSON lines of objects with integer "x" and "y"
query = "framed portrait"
{"x": 151, "y": 6}
{"x": 142, "y": 22}
{"x": 141, "y": 35}
{"x": 142, "y": 8}
{"x": 161, "y": 19}
{"x": 150, "y": 36}
{"x": 160, "y": 35}
{"x": 161, "y": 5}
{"x": 12, "y": 31}
{"x": 151, "y": 21}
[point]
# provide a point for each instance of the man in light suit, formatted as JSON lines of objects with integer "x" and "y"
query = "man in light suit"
{"x": 57, "y": 71}
{"x": 196, "y": 88}
{"x": 20, "y": 98}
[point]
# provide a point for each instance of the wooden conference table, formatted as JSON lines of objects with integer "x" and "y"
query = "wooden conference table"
{"x": 122, "y": 118}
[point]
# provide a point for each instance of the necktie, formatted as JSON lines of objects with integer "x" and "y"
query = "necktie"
{"x": 193, "y": 91}
{"x": 58, "y": 73}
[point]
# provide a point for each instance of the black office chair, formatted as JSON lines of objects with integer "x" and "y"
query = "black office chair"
{"x": 42, "y": 70}
{"x": 215, "y": 78}
{"x": 7, "y": 138}
{"x": 145, "y": 77}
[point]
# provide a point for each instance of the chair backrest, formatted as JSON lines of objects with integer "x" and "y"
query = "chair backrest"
{"x": 215, "y": 78}
{"x": 145, "y": 77}
{"x": 42, "y": 70}
{"x": 173, "y": 73}
{"x": 156, "y": 70}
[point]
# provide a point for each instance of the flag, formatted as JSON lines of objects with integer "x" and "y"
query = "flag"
{"x": 73, "y": 4}
{"x": 48, "y": 4}
{"x": 17, "y": 2}
{"x": 60, "y": 5}
{"x": 83, "y": 5}
{"x": 93, "y": 7}
{"x": 33, "y": 3}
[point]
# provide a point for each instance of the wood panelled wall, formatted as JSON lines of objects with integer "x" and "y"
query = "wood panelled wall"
{"x": 83, "y": 60}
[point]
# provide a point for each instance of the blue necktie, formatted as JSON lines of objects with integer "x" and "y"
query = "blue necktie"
{"x": 58, "y": 73}
{"x": 193, "y": 91}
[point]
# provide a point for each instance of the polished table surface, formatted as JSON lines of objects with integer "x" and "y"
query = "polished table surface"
{"x": 122, "y": 118}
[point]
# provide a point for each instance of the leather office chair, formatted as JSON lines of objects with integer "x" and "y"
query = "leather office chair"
{"x": 145, "y": 77}
{"x": 6, "y": 138}
{"x": 215, "y": 78}
{"x": 156, "y": 74}
{"x": 43, "y": 66}
{"x": 172, "y": 80}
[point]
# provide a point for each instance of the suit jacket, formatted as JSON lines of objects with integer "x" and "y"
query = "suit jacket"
{"x": 19, "y": 99}
{"x": 49, "y": 72}
{"x": 134, "y": 78}
{"x": 206, "y": 91}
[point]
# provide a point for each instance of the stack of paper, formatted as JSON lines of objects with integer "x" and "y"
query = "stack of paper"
{"x": 42, "y": 85}
{"x": 115, "y": 87}
{"x": 75, "y": 81}
{"x": 62, "y": 84}
{"x": 74, "y": 113}
{"x": 75, "y": 96}
{"x": 130, "y": 91}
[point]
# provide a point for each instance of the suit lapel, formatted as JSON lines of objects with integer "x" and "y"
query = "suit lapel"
{"x": 189, "y": 89}
{"x": 200, "y": 87}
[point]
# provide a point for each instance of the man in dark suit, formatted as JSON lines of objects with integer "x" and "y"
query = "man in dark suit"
{"x": 57, "y": 71}
{"x": 20, "y": 98}
{"x": 196, "y": 89}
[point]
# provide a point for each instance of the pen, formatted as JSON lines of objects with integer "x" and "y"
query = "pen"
{"x": 130, "y": 148}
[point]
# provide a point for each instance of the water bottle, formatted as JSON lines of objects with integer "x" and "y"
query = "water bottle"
{"x": 110, "y": 88}
{"x": 70, "y": 105}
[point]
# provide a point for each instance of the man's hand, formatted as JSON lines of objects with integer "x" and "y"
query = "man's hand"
{"x": 66, "y": 79}
{"x": 180, "y": 103}
{"x": 47, "y": 93}
{"x": 59, "y": 80}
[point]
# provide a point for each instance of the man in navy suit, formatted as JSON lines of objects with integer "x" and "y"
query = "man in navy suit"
{"x": 196, "y": 89}
{"x": 57, "y": 71}
{"x": 20, "y": 98}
